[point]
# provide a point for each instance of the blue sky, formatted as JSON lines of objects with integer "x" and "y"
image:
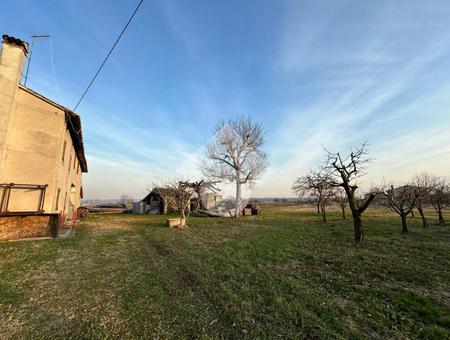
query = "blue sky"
{"x": 315, "y": 73}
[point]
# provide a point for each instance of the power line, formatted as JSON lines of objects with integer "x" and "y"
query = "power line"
{"x": 109, "y": 53}
{"x": 53, "y": 69}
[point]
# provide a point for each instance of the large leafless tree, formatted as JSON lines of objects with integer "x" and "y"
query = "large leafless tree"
{"x": 235, "y": 154}
{"x": 344, "y": 171}
{"x": 317, "y": 185}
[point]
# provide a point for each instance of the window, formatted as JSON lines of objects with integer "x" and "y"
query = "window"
{"x": 70, "y": 161}
{"x": 57, "y": 199}
{"x": 74, "y": 161}
{"x": 78, "y": 168}
{"x": 64, "y": 151}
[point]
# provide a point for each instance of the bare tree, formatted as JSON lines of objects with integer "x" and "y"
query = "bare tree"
{"x": 341, "y": 199}
{"x": 343, "y": 172}
{"x": 440, "y": 198}
{"x": 402, "y": 201}
{"x": 315, "y": 184}
{"x": 183, "y": 191}
{"x": 425, "y": 184}
{"x": 304, "y": 186}
{"x": 309, "y": 186}
{"x": 235, "y": 154}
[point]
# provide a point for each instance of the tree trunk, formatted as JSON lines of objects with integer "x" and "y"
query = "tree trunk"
{"x": 356, "y": 210}
{"x": 182, "y": 216}
{"x": 412, "y": 213}
{"x": 441, "y": 217}
{"x": 343, "y": 213}
{"x": 201, "y": 204}
{"x": 237, "y": 206}
{"x": 324, "y": 216}
{"x": 164, "y": 207}
{"x": 438, "y": 208}
{"x": 357, "y": 222}
{"x": 318, "y": 206}
{"x": 424, "y": 220}
{"x": 404, "y": 225}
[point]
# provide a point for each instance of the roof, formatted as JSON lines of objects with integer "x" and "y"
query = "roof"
{"x": 159, "y": 191}
{"x": 406, "y": 188}
{"x": 164, "y": 191}
{"x": 14, "y": 41}
{"x": 74, "y": 126}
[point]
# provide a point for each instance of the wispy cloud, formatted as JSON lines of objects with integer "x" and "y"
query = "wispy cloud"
{"x": 182, "y": 27}
{"x": 362, "y": 98}
{"x": 315, "y": 73}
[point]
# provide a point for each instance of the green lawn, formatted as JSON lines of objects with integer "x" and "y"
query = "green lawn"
{"x": 282, "y": 274}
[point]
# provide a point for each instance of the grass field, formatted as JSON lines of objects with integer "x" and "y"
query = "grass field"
{"x": 282, "y": 274}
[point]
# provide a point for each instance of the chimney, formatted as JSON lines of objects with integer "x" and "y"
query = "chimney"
{"x": 12, "y": 59}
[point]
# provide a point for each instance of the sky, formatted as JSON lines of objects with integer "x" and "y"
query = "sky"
{"x": 315, "y": 73}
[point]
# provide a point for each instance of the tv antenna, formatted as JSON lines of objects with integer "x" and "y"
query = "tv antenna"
{"x": 33, "y": 38}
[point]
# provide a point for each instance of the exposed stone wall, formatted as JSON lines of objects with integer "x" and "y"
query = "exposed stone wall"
{"x": 16, "y": 227}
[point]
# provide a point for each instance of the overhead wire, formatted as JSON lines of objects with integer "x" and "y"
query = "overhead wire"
{"x": 109, "y": 53}
{"x": 53, "y": 69}
{"x": 57, "y": 86}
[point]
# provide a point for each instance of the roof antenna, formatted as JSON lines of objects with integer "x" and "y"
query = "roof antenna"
{"x": 33, "y": 37}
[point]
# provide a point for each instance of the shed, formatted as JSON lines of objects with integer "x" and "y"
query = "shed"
{"x": 158, "y": 201}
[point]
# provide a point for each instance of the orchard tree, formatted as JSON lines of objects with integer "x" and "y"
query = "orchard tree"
{"x": 183, "y": 192}
{"x": 176, "y": 195}
{"x": 235, "y": 154}
{"x": 316, "y": 184}
{"x": 341, "y": 199}
{"x": 440, "y": 198}
{"x": 343, "y": 172}
{"x": 306, "y": 186}
{"x": 425, "y": 183}
{"x": 402, "y": 201}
